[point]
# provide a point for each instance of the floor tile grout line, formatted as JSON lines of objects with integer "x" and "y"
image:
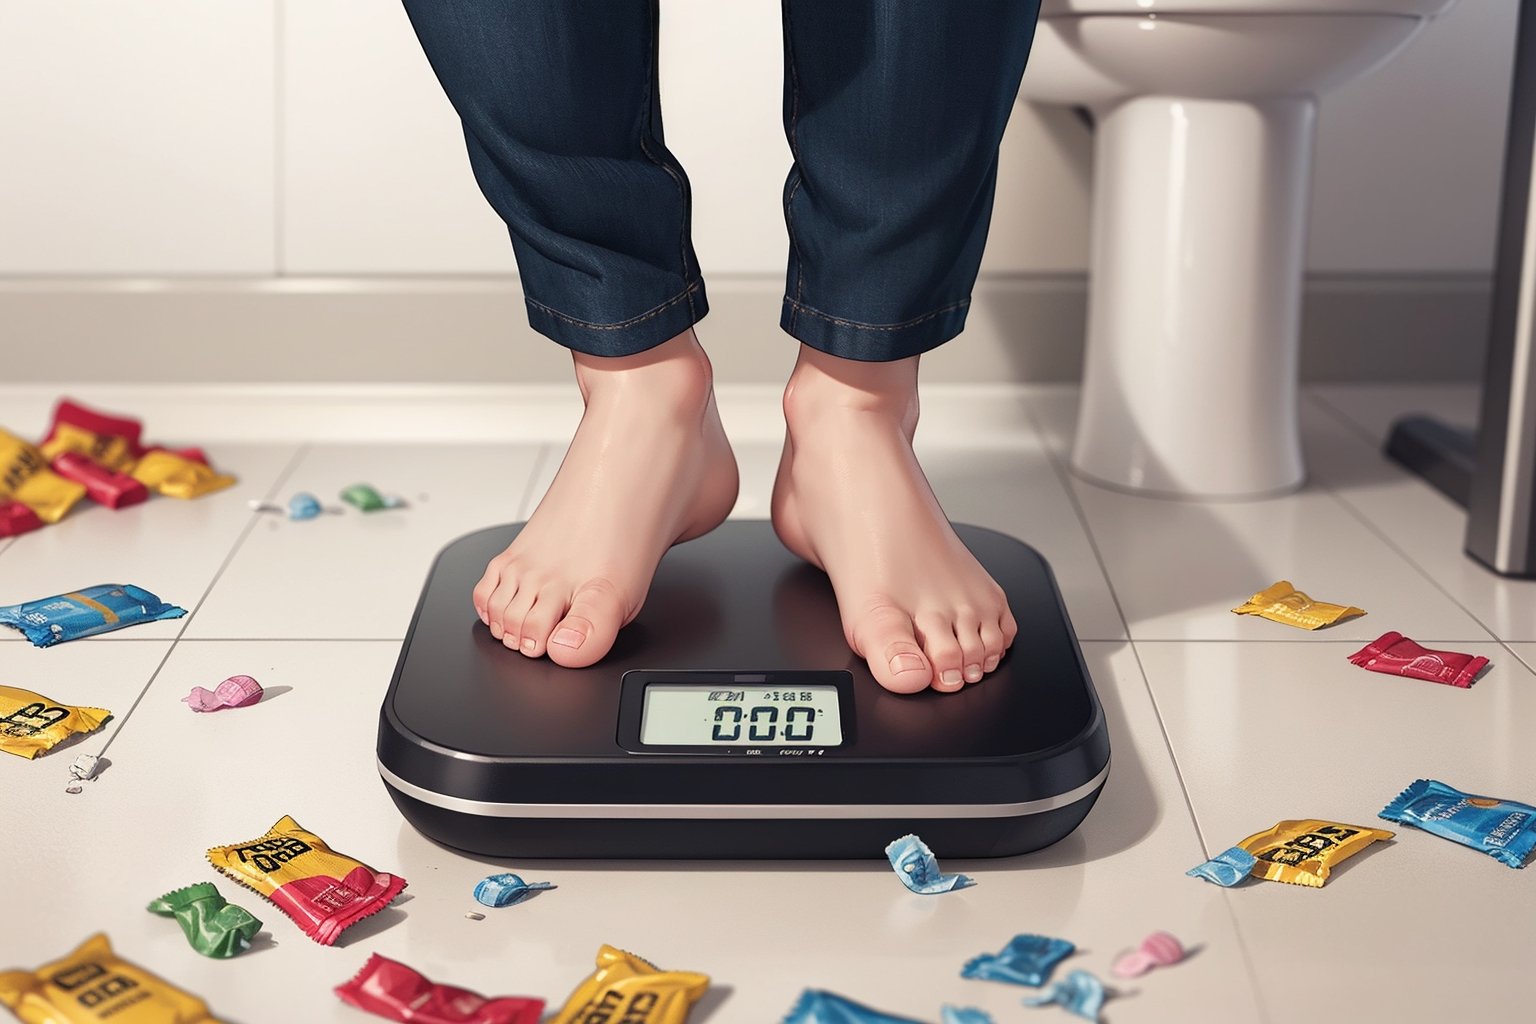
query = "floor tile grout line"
{"x": 1062, "y": 476}
{"x": 122, "y": 723}
{"x": 255, "y": 517}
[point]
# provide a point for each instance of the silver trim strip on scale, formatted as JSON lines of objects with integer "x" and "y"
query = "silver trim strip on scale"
{"x": 496, "y": 809}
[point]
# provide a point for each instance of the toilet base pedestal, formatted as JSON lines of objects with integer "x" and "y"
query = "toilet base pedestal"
{"x": 1190, "y": 378}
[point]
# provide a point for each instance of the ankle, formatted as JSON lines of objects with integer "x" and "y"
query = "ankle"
{"x": 823, "y": 385}
{"x": 676, "y": 375}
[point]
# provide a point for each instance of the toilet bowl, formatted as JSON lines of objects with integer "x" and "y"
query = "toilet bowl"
{"x": 1205, "y": 114}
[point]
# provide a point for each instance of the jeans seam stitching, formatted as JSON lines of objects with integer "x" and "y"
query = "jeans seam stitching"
{"x": 687, "y": 293}
{"x": 794, "y": 148}
{"x": 877, "y": 327}
{"x": 682, "y": 196}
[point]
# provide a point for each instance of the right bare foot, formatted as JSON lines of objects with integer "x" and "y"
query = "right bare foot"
{"x": 649, "y": 467}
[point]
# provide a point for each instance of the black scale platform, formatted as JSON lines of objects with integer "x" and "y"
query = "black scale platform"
{"x": 490, "y": 752}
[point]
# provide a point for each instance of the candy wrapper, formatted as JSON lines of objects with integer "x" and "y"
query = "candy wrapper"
{"x": 99, "y": 609}
{"x": 323, "y": 891}
{"x": 1503, "y": 829}
{"x": 167, "y": 473}
{"x": 964, "y": 1015}
{"x": 31, "y": 724}
{"x": 365, "y": 499}
{"x": 1227, "y": 868}
{"x": 83, "y": 769}
{"x": 392, "y": 990}
{"x": 304, "y": 506}
{"x": 1396, "y": 655}
{"x": 816, "y": 1007}
{"x": 26, "y": 478}
{"x": 1156, "y": 950}
{"x": 627, "y": 988}
{"x": 234, "y": 692}
{"x": 17, "y": 519}
{"x": 213, "y": 927}
{"x": 505, "y": 890}
{"x": 1303, "y": 852}
{"x": 93, "y": 984}
{"x": 102, "y": 485}
{"x": 1079, "y": 992}
{"x": 107, "y": 440}
{"x": 918, "y": 869}
{"x": 1026, "y": 960}
{"x": 1284, "y": 603}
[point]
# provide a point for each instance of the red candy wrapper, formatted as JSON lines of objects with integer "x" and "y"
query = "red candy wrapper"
{"x": 111, "y": 441}
{"x": 16, "y": 519}
{"x": 394, "y": 991}
{"x": 102, "y": 485}
{"x": 1396, "y": 655}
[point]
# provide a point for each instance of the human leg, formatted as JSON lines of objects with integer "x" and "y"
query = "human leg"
{"x": 894, "y": 113}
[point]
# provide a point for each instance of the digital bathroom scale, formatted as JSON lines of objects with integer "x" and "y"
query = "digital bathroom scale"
{"x": 731, "y": 720}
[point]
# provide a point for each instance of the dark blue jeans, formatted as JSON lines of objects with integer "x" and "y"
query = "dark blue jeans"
{"x": 893, "y": 108}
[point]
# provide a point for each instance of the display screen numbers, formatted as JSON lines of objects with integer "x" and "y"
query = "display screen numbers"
{"x": 680, "y": 714}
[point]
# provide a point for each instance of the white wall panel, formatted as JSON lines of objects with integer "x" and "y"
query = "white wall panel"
{"x": 136, "y": 137}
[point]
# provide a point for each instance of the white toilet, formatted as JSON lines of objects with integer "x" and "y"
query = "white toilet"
{"x": 1205, "y": 115}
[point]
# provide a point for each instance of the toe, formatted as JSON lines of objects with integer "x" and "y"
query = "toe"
{"x": 517, "y": 611}
{"x": 540, "y": 621}
{"x": 587, "y": 631}
{"x": 481, "y": 596}
{"x": 1009, "y": 627}
{"x": 886, "y": 639}
{"x": 496, "y": 605}
{"x": 937, "y": 635}
{"x": 973, "y": 650}
{"x": 992, "y": 642}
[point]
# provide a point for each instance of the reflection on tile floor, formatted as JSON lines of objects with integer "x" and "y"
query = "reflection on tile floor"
{"x": 1220, "y": 726}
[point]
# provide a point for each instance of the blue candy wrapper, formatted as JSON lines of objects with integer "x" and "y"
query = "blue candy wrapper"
{"x": 1079, "y": 992}
{"x": 815, "y": 1007}
{"x": 505, "y": 890}
{"x": 1026, "y": 960}
{"x": 967, "y": 1015}
{"x": 918, "y": 869}
{"x": 304, "y": 506}
{"x": 1227, "y": 868}
{"x": 101, "y": 609}
{"x": 1503, "y": 829}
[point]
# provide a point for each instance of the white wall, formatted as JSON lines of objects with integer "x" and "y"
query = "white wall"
{"x": 308, "y": 137}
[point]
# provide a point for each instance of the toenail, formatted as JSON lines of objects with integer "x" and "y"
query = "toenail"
{"x": 495, "y": 631}
{"x": 990, "y": 665}
{"x": 950, "y": 676}
{"x": 906, "y": 663}
{"x": 972, "y": 673}
{"x": 567, "y": 637}
{"x": 529, "y": 644}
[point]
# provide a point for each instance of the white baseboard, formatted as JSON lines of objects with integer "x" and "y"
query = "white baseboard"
{"x": 1023, "y": 328}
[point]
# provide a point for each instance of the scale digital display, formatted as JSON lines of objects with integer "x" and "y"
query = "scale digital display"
{"x": 719, "y": 715}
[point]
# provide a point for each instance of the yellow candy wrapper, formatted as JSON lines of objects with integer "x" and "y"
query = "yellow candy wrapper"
{"x": 94, "y": 984}
{"x": 25, "y": 477}
{"x": 1303, "y": 852}
{"x": 112, "y": 451}
{"x": 1284, "y": 603}
{"x": 31, "y": 724}
{"x": 175, "y": 477}
{"x": 323, "y": 891}
{"x": 629, "y": 989}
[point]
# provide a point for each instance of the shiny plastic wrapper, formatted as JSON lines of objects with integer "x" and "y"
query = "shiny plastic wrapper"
{"x": 174, "y": 476}
{"x": 105, "y": 439}
{"x": 1026, "y": 960}
{"x": 964, "y": 1015}
{"x": 31, "y": 724}
{"x": 1227, "y": 868}
{"x": 507, "y": 889}
{"x": 1284, "y": 603}
{"x": 323, "y": 891}
{"x": 86, "y": 612}
{"x": 26, "y": 478}
{"x": 390, "y": 989}
{"x": 629, "y": 989}
{"x": 1156, "y": 950}
{"x": 918, "y": 869}
{"x": 1503, "y": 829}
{"x": 1397, "y": 655}
{"x": 94, "y": 984}
{"x": 102, "y": 485}
{"x": 234, "y": 692}
{"x": 17, "y": 519}
{"x": 213, "y": 926}
{"x": 1079, "y": 992}
{"x": 304, "y": 506}
{"x": 365, "y": 499}
{"x": 818, "y": 1007}
{"x": 1303, "y": 852}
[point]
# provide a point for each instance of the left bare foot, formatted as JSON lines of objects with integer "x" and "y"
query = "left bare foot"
{"x": 851, "y": 499}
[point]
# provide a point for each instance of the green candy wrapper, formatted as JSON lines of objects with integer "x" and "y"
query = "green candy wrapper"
{"x": 366, "y": 499}
{"x": 212, "y": 926}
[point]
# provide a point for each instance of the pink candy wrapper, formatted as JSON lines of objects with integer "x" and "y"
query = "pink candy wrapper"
{"x": 1157, "y": 950}
{"x": 1396, "y": 655}
{"x": 234, "y": 692}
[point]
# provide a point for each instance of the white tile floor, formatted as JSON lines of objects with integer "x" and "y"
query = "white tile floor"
{"x": 1220, "y": 726}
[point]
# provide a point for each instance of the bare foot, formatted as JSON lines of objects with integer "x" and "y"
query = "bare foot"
{"x": 851, "y": 498}
{"x": 649, "y": 467}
